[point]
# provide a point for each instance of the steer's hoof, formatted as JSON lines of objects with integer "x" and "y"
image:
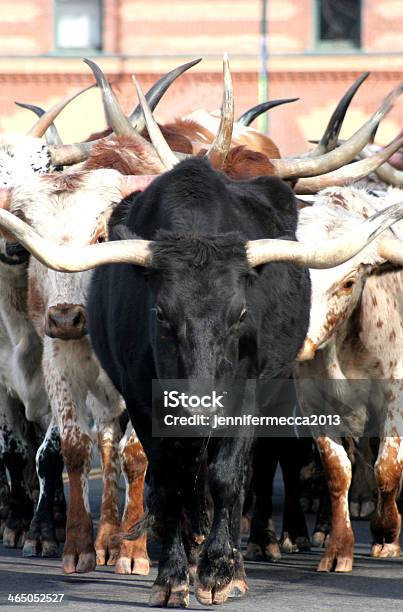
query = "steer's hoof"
{"x": 31, "y": 548}
{"x": 50, "y": 549}
{"x": 271, "y": 552}
{"x": 86, "y": 562}
{"x": 338, "y": 564}
{"x": 362, "y": 510}
{"x": 303, "y": 543}
{"x": 106, "y": 556}
{"x": 107, "y": 544}
{"x": 171, "y": 596}
{"x": 386, "y": 551}
{"x": 239, "y": 587}
{"x": 44, "y": 548}
{"x": 319, "y": 539}
{"x": 13, "y": 538}
{"x": 253, "y": 552}
{"x": 287, "y": 545}
{"x": 216, "y": 595}
{"x": 127, "y": 565}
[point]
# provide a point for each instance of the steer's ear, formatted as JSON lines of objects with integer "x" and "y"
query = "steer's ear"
{"x": 5, "y": 197}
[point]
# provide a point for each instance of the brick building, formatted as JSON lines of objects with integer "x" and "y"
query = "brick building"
{"x": 315, "y": 50}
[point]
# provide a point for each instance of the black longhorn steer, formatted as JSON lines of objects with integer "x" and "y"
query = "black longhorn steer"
{"x": 199, "y": 311}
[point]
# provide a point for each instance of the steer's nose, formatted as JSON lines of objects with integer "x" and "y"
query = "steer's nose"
{"x": 66, "y": 321}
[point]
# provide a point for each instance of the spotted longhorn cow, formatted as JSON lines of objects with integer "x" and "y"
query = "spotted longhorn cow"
{"x": 355, "y": 333}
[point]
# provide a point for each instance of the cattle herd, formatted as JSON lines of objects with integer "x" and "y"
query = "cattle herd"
{"x": 183, "y": 251}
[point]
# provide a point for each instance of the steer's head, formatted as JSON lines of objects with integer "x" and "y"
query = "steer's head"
{"x": 337, "y": 291}
{"x": 70, "y": 210}
{"x": 199, "y": 285}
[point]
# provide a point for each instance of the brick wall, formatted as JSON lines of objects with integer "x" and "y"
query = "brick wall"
{"x": 144, "y": 37}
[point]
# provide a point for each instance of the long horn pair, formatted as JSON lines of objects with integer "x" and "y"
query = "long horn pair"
{"x": 47, "y": 118}
{"x": 139, "y": 252}
{"x": 313, "y": 166}
{"x": 121, "y": 125}
{"x": 155, "y": 93}
{"x": 350, "y": 173}
{"x": 329, "y": 139}
{"x": 221, "y": 144}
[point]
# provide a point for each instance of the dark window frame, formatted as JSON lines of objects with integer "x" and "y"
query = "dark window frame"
{"x": 335, "y": 46}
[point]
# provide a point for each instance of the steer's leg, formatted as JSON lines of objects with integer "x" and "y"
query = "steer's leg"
{"x": 4, "y": 493}
{"x": 19, "y": 460}
{"x": 220, "y": 557}
{"x": 363, "y": 485}
{"x": 385, "y": 523}
{"x": 340, "y": 548}
{"x": 196, "y": 525}
{"x": 106, "y": 543}
{"x": 133, "y": 557}
{"x": 263, "y": 543}
{"x": 41, "y": 537}
{"x": 68, "y": 409}
{"x": 170, "y": 460}
{"x": 295, "y": 534}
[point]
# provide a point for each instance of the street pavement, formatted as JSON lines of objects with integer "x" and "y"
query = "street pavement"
{"x": 289, "y": 585}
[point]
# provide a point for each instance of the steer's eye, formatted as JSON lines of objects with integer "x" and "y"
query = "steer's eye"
{"x": 160, "y": 315}
{"x": 243, "y": 315}
{"x": 349, "y": 284}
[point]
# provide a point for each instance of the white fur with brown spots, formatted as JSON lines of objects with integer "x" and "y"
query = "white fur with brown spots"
{"x": 73, "y": 209}
{"x": 356, "y": 332}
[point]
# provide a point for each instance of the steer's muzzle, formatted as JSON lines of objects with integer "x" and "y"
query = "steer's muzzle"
{"x": 66, "y": 322}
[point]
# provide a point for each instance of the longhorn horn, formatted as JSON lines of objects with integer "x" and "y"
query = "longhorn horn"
{"x": 221, "y": 144}
{"x": 391, "y": 249}
{"x": 67, "y": 155}
{"x": 166, "y": 155}
{"x": 329, "y": 139}
{"x": 328, "y": 253}
{"x": 348, "y": 174}
{"x": 75, "y": 259}
{"x": 71, "y": 259}
{"x": 250, "y": 115}
{"x": 52, "y": 135}
{"x": 155, "y": 93}
{"x": 313, "y": 166}
{"x": 117, "y": 120}
{"x": 386, "y": 172}
{"x": 40, "y": 127}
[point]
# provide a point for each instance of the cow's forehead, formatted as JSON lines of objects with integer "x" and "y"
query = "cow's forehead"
{"x": 66, "y": 207}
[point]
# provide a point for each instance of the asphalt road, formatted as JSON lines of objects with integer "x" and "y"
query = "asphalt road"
{"x": 290, "y": 585}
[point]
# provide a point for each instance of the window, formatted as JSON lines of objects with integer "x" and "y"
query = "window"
{"x": 338, "y": 24}
{"x": 78, "y": 25}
